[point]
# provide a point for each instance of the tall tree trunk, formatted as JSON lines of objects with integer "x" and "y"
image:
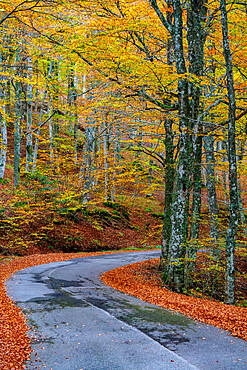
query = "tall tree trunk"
{"x": 240, "y": 157}
{"x": 41, "y": 114}
{"x": 3, "y": 137}
{"x": 72, "y": 96}
{"x": 150, "y": 171}
{"x": 55, "y": 97}
{"x": 87, "y": 168}
{"x": 29, "y": 140}
{"x": 3, "y": 134}
{"x": 106, "y": 146}
{"x": 51, "y": 138}
{"x": 196, "y": 208}
{"x": 188, "y": 106}
{"x": 233, "y": 188}
{"x": 196, "y": 14}
{"x": 138, "y": 137}
{"x": 241, "y": 209}
{"x": 211, "y": 189}
{"x": 169, "y": 185}
{"x": 169, "y": 164}
{"x": 8, "y": 97}
{"x": 106, "y": 164}
{"x": 196, "y": 202}
{"x": 75, "y": 137}
{"x": 189, "y": 98}
{"x": 17, "y": 125}
{"x": 222, "y": 145}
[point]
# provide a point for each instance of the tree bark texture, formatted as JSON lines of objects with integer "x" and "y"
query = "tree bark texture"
{"x": 17, "y": 125}
{"x": 211, "y": 189}
{"x": 3, "y": 137}
{"x": 41, "y": 114}
{"x": 233, "y": 188}
{"x": 189, "y": 105}
{"x": 169, "y": 166}
{"x": 29, "y": 140}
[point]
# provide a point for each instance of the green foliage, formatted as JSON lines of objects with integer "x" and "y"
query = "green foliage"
{"x": 5, "y": 181}
{"x": 37, "y": 176}
{"x": 165, "y": 277}
{"x": 119, "y": 209}
{"x": 20, "y": 204}
{"x": 113, "y": 205}
{"x": 115, "y": 212}
{"x": 158, "y": 215}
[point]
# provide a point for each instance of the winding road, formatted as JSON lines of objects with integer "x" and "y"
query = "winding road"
{"x": 77, "y": 322}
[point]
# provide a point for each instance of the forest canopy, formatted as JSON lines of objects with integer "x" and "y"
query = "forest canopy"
{"x": 108, "y": 97}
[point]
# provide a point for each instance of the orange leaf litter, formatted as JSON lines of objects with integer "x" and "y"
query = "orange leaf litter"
{"x": 15, "y": 345}
{"x": 135, "y": 280}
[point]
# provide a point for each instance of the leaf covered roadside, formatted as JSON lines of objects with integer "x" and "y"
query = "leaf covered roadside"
{"x": 136, "y": 279}
{"x": 15, "y": 345}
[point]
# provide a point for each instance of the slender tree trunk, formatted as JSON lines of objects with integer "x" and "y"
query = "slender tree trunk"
{"x": 8, "y": 97}
{"x": 75, "y": 137}
{"x": 41, "y": 114}
{"x": 51, "y": 138}
{"x": 196, "y": 202}
{"x": 150, "y": 171}
{"x": 137, "y": 162}
{"x": 29, "y": 140}
{"x": 3, "y": 134}
{"x": 106, "y": 144}
{"x": 196, "y": 14}
{"x": 223, "y": 146}
{"x": 182, "y": 188}
{"x": 240, "y": 202}
{"x": 17, "y": 125}
{"x": 55, "y": 74}
{"x": 114, "y": 174}
{"x": 96, "y": 150}
{"x": 3, "y": 138}
{"x": 196, "y": 208}
{"x": 87, "y": 168}
{"x": 241, "y": 209}
{"x": 211, "y": 189}
{"x": 169, "y": 164}
{"x": 169, "y": 185}
{"x": 233, "y": 188}
{"x": 72, "y": 96}
{"x": 117, "y": 157}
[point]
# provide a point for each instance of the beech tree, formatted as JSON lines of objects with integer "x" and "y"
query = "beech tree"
{"x": 189, "y": 108}
{"x": 233, "y": 188}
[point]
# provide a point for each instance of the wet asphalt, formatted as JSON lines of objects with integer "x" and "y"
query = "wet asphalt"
{"x": 76, "y": 322}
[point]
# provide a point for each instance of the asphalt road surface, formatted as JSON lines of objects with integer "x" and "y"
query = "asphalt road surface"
{"x": 79, "y": 323}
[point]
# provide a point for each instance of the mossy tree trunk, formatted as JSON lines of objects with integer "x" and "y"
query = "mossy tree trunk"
{"x": 211, "y": 188}
{"x": 3, "y": 133}
{"x": 233, "y": 188}
{"x": 17, "y": 125}
{"x": 169, "y": 166}
{"x": 29, "y": 139}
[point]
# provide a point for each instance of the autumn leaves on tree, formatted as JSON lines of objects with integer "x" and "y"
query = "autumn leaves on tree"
{"x": 116, "y": 95}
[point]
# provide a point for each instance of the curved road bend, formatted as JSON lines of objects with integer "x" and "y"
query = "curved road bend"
{"x": 79, "y": 323}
